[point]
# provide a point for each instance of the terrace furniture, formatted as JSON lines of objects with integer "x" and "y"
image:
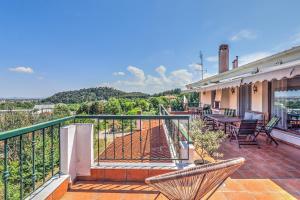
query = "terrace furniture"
{"x": 259, "y": 116}
{"x": 268, "y": 129}
{"x": 244, "y": 133}
{"x": 209, "y": 122}
{"x": 229, "y": 112}
{"x": 196, "y": 182}
{"x": 219, "y": 118}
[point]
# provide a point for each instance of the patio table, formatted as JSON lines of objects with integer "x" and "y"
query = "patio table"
{"x": 223, "y": 119}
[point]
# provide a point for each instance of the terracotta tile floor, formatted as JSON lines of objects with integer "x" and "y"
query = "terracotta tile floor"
{"x": 153, "y": 145}
{"x": 269, "y": 173}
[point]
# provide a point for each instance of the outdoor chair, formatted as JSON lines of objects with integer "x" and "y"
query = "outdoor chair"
{"x": 268, "y": 129}
{"x": 208, "y": 122}
{"x": 244, "y": 133}
{"x": 229, "y": 112}
{"x": 259, "y": 116}
{"x": 196, "y": 182}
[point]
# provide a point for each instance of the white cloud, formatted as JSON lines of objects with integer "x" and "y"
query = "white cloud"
{"x": 243, "y": 34}
{"x": 25, "y": 70}
{"x": 119, "y": 73}
{"x": 153, "y": 83}
{"x": 244, "y": 59}
{"x": 212, "y": 59}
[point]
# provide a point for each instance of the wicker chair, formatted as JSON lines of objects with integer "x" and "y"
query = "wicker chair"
{"x": 196, "y": 182}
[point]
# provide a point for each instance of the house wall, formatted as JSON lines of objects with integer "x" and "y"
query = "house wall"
{"x": 206, "y": 98}
{"x": 257, "y": 98}
{"x": 218, "y": 95}
{"x": 233, "y": 98}
{"x": 225, "y": 98}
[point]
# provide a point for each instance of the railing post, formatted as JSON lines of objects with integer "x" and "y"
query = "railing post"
{"x": 21, "y": 165}
{"x": 59, "y": 151}
{"x": 105, "y": 139}
{"x": 33, "y": 160}
{"x": 44, "y": 167}
{"x": 114, "y": 139}
{"x": 52, "y": 151}
{"x": 98, "y": 141}
{"x": 5, "y": 170}
{"x": 131, "y": 138}
{"x": 122, "y": 138}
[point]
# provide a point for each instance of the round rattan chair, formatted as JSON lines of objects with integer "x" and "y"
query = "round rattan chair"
{"x": 196, "y": 182}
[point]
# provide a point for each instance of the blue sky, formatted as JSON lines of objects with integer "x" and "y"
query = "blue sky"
{"x": 134, "y": 45}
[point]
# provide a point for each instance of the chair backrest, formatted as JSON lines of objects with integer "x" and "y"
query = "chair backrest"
{"x": 207, "y": 112}
{"x": 247, "y": 127}
{"x": 260, "y": 116}
{"x": 272, "y": 123}
{"x": 195, "y": 182}
{"x": 229, "y": 112}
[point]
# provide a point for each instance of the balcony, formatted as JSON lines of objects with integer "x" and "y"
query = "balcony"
{"x": 109, "y": 157}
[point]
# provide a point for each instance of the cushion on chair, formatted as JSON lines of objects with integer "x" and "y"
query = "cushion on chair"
{"x": 248, "y": 116}
{"x": 258, "y": 117}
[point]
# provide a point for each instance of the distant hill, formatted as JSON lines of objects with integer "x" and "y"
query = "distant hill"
{"x": 176, "y": 91}
{"x": 91, "y": 94}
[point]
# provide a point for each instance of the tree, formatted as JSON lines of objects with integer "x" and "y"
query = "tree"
{"x": 206, "y": 142}
{"x": 113, "y": 106}
{"x": 61, "y": 110}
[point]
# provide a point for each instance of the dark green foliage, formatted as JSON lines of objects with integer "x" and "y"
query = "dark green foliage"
{"x": 90, "y": 94}
{"x": 176, "y": 91}
{"x": 16, "y": 105}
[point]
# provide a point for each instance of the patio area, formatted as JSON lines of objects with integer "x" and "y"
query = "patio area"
{"x": 269, "y": 173}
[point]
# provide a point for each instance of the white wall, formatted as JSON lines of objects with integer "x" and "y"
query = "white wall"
{"x": 77, "y": 155}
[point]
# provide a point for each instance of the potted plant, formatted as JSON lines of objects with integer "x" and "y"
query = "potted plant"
{"x": 206, "y": 141}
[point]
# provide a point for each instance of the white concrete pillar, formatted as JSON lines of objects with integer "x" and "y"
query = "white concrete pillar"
{"x": 187, "y": 151}
{"x": 77, "y": 152}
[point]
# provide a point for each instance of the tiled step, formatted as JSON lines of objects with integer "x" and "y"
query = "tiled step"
{"x": 123, "y": 174}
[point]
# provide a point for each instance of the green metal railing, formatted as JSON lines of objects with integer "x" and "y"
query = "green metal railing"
{"x": 182, "y": 129}
{"x": 31, "y": 155}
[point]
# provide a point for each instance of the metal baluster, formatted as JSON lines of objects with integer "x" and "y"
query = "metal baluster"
{"x": 98, "y": 142}
{"x": 141, "y": 139}
{"x": 188, "y": 135}
{"x": 105, "y": 138}
{"x": 123, "y": 139}
{"x": 149, "y": 135}
{"x": 33, "y": 160}
{"x": 5, "y": 170}
{"x": 114, "y": 139}
{"x": 52, "y": 151}
{"x": 178, "y": 138}
{"x": 131, "y": 138}
{"x": 44, "y": 167}
{"x": 21, "y": 166}
{"x": 159, "y": 134}
{"x": 59, "y": 150}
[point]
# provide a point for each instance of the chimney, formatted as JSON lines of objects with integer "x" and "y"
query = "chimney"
{"x": 223, "y": 58}
{"x": 235, "y": 63}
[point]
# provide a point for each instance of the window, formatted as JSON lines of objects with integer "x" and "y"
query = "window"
{"x": 286, "y": 103}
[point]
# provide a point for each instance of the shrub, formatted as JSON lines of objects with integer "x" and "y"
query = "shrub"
{"x": 206, "y": 141}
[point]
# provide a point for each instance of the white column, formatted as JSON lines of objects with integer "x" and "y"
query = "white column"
{"x": 77, "y": 154}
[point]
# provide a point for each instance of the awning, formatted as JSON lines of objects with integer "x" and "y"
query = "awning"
{"x": 189, "y": 91}
{"x": 287, "y": 70}
{"x": 222, "y": 85}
